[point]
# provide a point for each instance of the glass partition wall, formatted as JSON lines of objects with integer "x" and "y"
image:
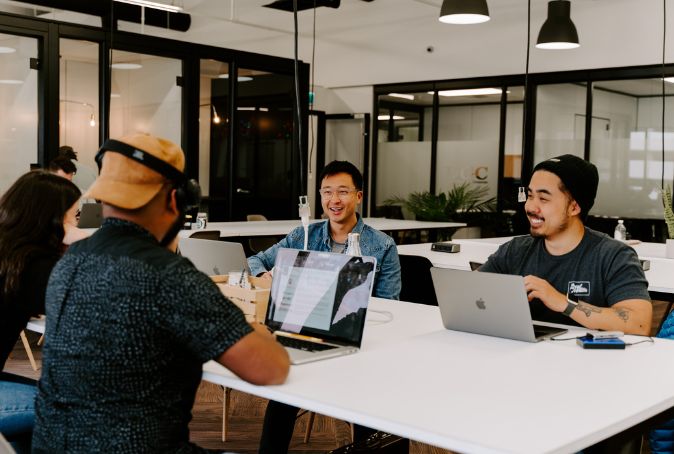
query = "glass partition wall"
{"x": 627, "y": 146}
{"x": 19, "y": 100}
{"x": 607, "y": 116}
{"x": 404, "y": 145}
{"x": 66, "y": 84}
{"x": 144, "y": 95}
{"x": 79, "y": 119}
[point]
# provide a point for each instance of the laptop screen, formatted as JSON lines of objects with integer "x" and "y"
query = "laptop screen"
{"x": 321, "y": 294}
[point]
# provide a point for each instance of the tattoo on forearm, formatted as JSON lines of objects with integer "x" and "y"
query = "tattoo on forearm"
{"x": 588, "y": 309}
{"x": 623, "y": 314}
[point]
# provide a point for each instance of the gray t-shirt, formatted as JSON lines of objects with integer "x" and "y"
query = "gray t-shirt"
{"x": 600, "y": 271}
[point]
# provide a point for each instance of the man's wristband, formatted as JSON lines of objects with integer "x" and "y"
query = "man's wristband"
{"x": 570, "y": 305}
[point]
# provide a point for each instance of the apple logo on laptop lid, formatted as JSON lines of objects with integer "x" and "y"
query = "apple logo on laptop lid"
{"x": 480, "y": 304}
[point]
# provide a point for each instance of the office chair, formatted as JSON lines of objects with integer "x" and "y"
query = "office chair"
{"x": 415, "y": 277}
{"x": 474, "y": 265}
{"x": 37, "y": 325}
{"x": 206, "y": 234}
{"x": 260, "y": 243}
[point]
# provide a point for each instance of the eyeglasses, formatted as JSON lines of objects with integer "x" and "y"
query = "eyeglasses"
{"x": 343, "y": 194}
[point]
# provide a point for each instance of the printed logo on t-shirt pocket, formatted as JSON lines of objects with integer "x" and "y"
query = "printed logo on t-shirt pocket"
{"x": 579, "y": 288}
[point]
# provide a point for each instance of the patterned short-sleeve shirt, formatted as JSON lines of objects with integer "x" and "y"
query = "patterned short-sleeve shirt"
{"x": 129, "y": 325}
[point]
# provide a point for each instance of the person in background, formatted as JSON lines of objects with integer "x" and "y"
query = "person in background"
{"x": 34, "y": 213}
{"x": 573, "y": 274}
{"x": 85, "y": 175}
{"x": 341, "y": 193}
{"x": 62, "y": 167}
{"x": 130, "y": 323}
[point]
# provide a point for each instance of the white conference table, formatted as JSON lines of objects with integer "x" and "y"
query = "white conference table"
{"x": 477, "y": 394}
{"x": 280, "y": 228}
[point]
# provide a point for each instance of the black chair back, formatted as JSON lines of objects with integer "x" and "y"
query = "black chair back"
{"x": 417, "y": 284}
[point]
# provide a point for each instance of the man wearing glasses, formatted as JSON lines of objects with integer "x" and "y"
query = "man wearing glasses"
{"x": 341, "y": 193}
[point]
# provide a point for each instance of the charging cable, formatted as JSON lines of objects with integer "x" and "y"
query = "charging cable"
{"x": 304, "y": 216}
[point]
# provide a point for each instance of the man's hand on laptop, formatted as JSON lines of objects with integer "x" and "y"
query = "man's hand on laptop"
{"x": 541, "y": 289}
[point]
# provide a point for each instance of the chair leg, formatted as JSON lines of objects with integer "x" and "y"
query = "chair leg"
{"x": 40, "y": 341}
{"x": 310, "y": 426}
{"x": 352, "y": 433}
{"x": 29, "y": 352}
{"x": 225, "y": 412}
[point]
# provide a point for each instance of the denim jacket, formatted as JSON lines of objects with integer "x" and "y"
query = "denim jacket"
{"x": 372, "y": 243}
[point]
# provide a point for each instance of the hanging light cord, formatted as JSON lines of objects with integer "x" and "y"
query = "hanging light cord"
{"x": 664, "y": 36}
{"x": 313, "y": 93}
{"x": 298, "y": 109}
{"x": 526, "y": 78}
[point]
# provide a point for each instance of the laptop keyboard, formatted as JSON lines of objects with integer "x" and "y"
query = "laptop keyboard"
{"x": 303, "y": 345}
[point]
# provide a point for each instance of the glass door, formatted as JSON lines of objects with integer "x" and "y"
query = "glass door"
{"x": 18, "y": 116}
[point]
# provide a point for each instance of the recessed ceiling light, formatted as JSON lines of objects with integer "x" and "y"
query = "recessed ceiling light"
{"x": 11, "y": 81}
{"x": 115, "y": 95}
{"x": 7, "y": 50}
{"x": 402, "y": 95}
{"x": 240, "y": 78}
{"x": 389, "y": 117}
{"x": 126, "y": 66}
{"x": 469, "y": 92}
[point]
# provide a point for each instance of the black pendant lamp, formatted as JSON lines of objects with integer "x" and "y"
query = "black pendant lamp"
{"x": 558, "y": 32}
{"x": 464, "y": 11}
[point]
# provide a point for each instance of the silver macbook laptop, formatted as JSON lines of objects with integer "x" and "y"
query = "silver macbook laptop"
{"x": 487, "y": 303}
{"x": 91, "y": 216}
{"x": 214, "y": 257}
{"x": 318, "y": 303}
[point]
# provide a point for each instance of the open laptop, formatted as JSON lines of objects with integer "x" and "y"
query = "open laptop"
{"x": 318, "y": 303}
{"x": 487, "y": 303}
{"x": 91, "y": 216}
{"x": 214, "y": 257}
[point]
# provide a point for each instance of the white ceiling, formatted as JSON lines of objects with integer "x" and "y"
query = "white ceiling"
{"x": 385, "y": 41}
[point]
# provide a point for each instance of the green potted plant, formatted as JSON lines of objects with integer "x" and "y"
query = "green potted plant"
{"x": 669, "y": 220}
{"x": 463, "y": 202}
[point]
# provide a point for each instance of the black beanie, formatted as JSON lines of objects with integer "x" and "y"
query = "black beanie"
{"x": 579, "y": 176}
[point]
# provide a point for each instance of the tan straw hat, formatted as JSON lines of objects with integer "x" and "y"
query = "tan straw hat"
{"x": 129, "y": 184}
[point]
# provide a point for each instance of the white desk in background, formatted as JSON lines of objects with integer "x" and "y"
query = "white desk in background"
{"x": 471, "y": 251}
{"x": 282, "y": 228}
{"x": 477, "y": 394}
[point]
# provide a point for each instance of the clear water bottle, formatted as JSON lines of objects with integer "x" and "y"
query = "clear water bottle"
{"x": 620, "y": 232}
{"x": 353, "y": 244}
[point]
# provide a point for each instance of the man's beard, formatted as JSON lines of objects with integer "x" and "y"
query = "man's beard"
{"x": 561, "y": 228}
{"x": 172, "y": 232}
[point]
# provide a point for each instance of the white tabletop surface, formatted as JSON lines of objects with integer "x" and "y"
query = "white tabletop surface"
{"x": 264, "y": 228}
{"x": 660, "y": 275}
{"x": 478, "y": 394}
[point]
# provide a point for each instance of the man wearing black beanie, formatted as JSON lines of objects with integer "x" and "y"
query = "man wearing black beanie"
{"x": 573, "y": 274}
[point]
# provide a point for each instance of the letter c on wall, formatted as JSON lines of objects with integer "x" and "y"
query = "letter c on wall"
{"x": 481, "y": 173}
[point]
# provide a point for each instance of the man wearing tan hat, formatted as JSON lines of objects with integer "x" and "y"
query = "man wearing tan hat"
{"x": 129, "y": 324}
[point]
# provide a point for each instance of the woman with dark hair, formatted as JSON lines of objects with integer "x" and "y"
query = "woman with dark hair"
{"x": 36, "y": 213}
